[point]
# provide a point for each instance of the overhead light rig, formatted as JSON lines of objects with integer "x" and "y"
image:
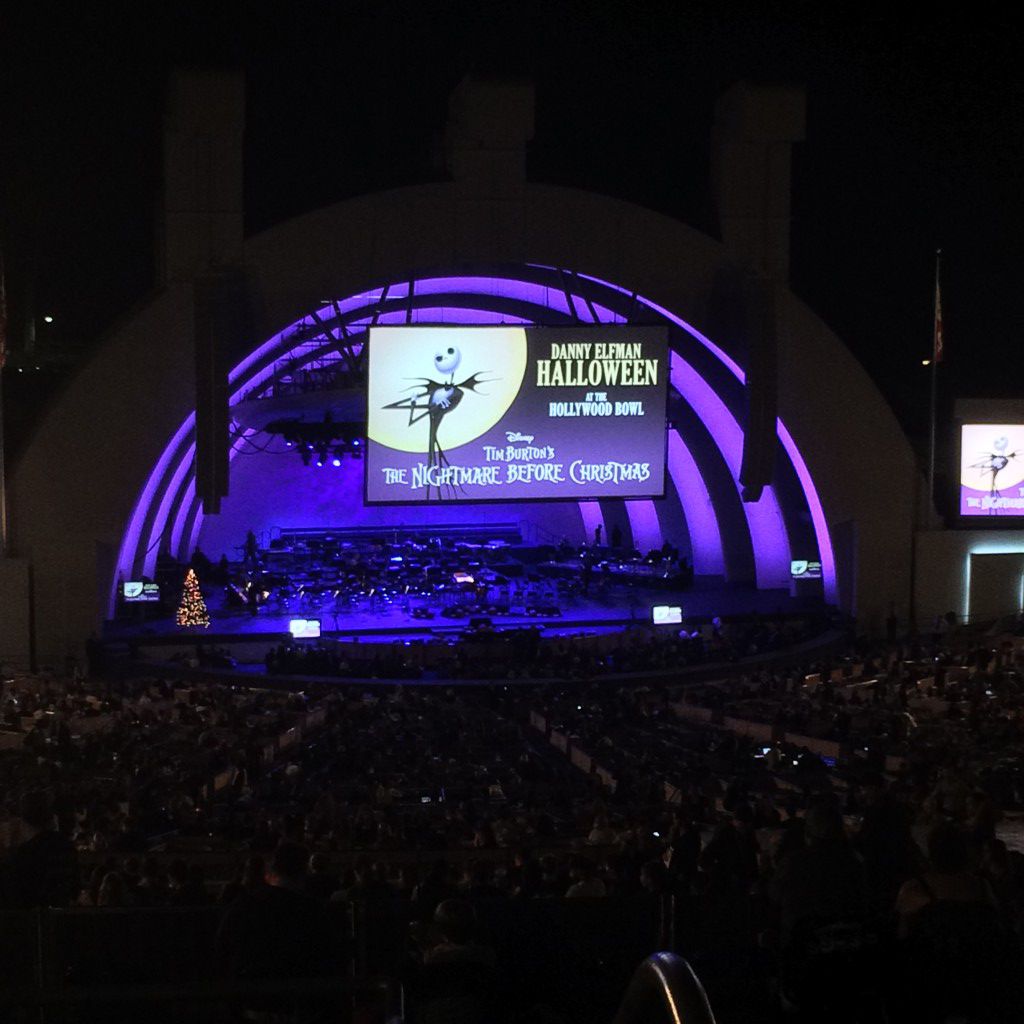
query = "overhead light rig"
{"x": 321, "y": 442}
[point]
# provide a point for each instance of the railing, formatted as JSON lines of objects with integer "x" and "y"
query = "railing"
{"x": 161, "y": 964}
{"x": 532, "y": 530}
{"x": 581, "y": 952}
{"x": 665, "y": 987}
{"x": 475, "y": 531}
{"x": 371, "y": 999}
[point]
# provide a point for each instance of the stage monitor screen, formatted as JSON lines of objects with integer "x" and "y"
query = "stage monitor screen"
{"x": 666, "y": 615}
{"x": 511, "y": 413}
{"x": 140, "y": 592}
{"x": 992, "y": 469}
{"x": 304, "y": 629}
{"x": 802, "y": 569}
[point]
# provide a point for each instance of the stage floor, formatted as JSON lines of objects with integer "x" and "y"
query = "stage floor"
{"x": 615, "y": 609}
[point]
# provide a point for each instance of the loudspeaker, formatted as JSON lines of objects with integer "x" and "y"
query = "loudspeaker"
{"x": 222, "y": 326}
{"x": 760, "y": 435}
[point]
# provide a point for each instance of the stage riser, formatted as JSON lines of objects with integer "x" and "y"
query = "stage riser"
{"x": 507, "y": 533}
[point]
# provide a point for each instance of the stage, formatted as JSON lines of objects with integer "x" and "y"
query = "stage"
{"x": 610, "y": 608}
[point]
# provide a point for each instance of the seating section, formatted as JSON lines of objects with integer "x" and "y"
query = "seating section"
{"x": 514, "y": 851}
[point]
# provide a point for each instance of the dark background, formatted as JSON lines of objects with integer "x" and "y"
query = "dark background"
{"x": 914, "y": 142}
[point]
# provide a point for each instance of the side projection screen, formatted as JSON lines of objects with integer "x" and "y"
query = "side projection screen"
{"x": 468, "y": 414}
{"x": 992, "y": 469}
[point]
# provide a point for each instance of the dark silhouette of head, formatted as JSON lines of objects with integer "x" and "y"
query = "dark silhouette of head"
{"x": 289, "y": 864}
{"x": 36, "y": 810}
{"x": 456, "y": 921}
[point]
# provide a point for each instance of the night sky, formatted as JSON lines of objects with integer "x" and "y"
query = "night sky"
{"x": 915, "y": 140}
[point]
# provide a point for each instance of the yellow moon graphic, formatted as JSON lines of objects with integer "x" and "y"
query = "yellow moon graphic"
{"x": 402, "y": 360}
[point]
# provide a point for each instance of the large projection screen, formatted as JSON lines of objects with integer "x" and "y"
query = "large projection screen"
{"x": 512, "y": 413}
{"x": 992, "y": 469}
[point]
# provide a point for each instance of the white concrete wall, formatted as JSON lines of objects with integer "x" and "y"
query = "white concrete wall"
{"x": 943, "y": 557}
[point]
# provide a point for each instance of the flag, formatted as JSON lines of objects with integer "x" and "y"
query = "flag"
{"x": 937, "y": 353}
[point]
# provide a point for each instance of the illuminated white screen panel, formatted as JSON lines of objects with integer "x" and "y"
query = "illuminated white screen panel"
{"x": 513, "y": 413}
{"x": 991, "y": 469}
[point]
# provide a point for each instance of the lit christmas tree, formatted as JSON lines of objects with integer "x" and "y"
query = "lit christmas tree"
{"x": 192, "y": 611}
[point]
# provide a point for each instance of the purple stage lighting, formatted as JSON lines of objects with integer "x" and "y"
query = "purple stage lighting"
{"x": 169, "y": 493}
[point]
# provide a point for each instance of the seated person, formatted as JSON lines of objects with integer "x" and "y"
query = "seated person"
{"x": 457, "y": 982}
{"x": 277, "y": 932}
{"x": 959, "y": 955}
{"x": 454, "y": 936}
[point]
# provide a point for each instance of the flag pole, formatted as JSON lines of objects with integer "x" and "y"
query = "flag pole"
{"x": 3, "y": 359}
{"x": 936, "y": 359}
{"x": 3, "y": 470}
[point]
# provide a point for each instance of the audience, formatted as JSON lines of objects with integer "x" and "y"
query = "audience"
{"x": 348, "y": 790}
